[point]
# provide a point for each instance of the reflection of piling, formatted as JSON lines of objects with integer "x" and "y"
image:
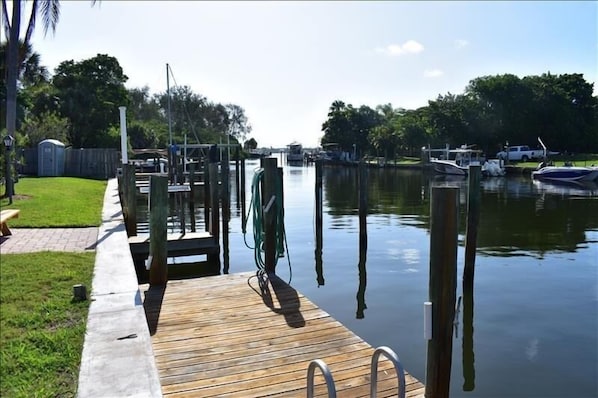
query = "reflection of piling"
{"x": 442, "y": 288}
{"x": 130, "y": 199}
{"x": 362, "y": 184}
{"x": 225, "y": 191}
{"x": 319, "y": 220}
{"x": 158, "y": 215}
{"x": 473, "y": 214}
{"x": 192, "y": 195}
{"x": 269, "y": 192}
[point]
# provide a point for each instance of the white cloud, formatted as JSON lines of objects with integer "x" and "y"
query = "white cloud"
{"x": 432, "y": 73}
{"x": 460, "y": 43}
{"x": 409, "y": 47}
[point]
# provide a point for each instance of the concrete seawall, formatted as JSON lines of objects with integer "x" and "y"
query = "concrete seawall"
{"x": 117, "y": 358}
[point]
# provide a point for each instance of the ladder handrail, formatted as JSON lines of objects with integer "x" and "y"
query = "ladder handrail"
{"x": 392, "y": 356}
{"x": 327, "y": 376}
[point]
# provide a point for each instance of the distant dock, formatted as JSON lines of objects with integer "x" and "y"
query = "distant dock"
{"x": 238, "y": 335}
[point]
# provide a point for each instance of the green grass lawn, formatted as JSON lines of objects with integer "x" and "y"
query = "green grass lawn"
{"x": 57, "y": 202}
{"x": 41, "y": 327}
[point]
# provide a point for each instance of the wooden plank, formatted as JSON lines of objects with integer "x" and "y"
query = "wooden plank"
{"x": 188, "y": 244}
{"x": 239, "y": 335}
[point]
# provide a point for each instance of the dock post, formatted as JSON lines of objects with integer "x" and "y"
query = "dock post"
{"x": 442, "y": 288}
{"x": 214, "y": 228}
{"x": 130, "y": 202}
{"x": 192, "y": 196}
{"x": 319, "y": 221}
{"x": 158, "y": 216}
{"x": 237, "y": 176}
{"x": 225, "y": 193}
{"x": 243, "y": 216}
{"x": 362, "y": 184}
{"x": 473, "y": 215}
{"x": 270, "y": 212}
{"x": 206, "y": 191}
{"x": 471, "y": 234}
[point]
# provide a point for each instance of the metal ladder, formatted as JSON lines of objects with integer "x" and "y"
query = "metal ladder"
{"x": 383, "y": 350}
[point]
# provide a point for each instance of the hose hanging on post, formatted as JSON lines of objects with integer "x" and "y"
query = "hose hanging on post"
{"x": 258, "y": 221}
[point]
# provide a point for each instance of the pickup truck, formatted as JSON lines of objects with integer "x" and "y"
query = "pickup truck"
{"x": 521, "y": 153}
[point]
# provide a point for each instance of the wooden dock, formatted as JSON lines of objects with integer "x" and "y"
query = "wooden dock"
{"x": 238, "y": 335}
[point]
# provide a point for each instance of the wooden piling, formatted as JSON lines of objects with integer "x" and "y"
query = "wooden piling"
{"x": 214, "y": 227}
{"x": 158, "y": 215}
{"x": 225, "y": 198}
{"x": 206, "y": 196}
{"x": 192, "y": 196}
{"x": 243, "y": 209}
{"x": 130, "y": 203}
{"x": 237, "y": 176}
{"x": 269, "y": 189}
{"x": 471, "y": 233}
{"x": 319, "y": 221}
{"x": 442, "y": 288}
{"x": 362, "y": 184}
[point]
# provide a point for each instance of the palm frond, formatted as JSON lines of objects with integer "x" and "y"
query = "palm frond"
{"x": 50, "y": 11}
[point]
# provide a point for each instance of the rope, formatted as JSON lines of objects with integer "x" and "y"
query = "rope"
{"x": 257, "y": 212}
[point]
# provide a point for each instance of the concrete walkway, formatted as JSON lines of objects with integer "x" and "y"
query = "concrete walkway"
{"x": 27, "y": 240}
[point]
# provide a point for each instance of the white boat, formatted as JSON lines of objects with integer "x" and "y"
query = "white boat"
{"x": 457, "y": 162}
{"x": 566, "y": 173}
{"x": 295, "y": 152}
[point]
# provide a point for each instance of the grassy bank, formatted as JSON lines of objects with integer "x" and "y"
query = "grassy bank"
{"x": 57, "y": 202}
{"x": 41, "y": 328}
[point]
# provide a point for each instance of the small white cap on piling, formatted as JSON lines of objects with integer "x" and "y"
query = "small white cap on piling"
{"x": 428, "y": 320}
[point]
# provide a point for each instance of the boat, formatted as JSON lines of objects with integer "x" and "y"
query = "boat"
{"x": 295, "y": 152}
{"x": 457, "y": 162}
{"x": 565, "y": 173}
{"x": 567, "y": 188}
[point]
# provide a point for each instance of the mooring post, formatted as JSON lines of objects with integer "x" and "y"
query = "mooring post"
{"x": 237, "y": 176}
{"x": 243, "y": 216}
{"x": 158, "y": 216}
{"x": 473, "y": 215}
{"x": 270, "y": 212}
{"x": 442, "y": 288}
{"x": 192, "y": 195}
{"x": 214, "y": 227}
{"x": 225, "y": 191}
{"x": 130, "y": 203}
{"x": 362, "y": 184}
{"x": 206, "y": 191}
{"x": 319, "y": 221}
{"x": 471, "y": 233}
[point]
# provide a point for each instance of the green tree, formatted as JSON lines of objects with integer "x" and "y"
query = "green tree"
{"x": 90, "y": 93}
{"x": 46, "y": 125}
{"x": 250, "y": 144}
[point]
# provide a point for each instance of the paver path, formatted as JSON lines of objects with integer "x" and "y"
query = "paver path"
{"x": 26, "y": 240}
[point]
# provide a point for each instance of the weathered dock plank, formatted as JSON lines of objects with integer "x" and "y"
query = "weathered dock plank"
{"x": 242, "y": 336}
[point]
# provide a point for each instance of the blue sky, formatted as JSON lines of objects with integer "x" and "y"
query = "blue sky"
{"x": 286, "y": 62}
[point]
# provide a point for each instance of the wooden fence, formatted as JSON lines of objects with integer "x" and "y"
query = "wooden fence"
{"x": 100, "y": 163}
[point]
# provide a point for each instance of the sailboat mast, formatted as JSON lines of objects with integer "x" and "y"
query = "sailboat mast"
{"x": 168, "y": 94}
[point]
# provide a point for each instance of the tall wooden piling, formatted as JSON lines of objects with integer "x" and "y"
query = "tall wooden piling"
{"x": 225, "y": 193}
{"x": 214, "y": 227}
{"x": 192, "y": 196}
{"x": 206, "y": 196}
{"x": 130, "y": 202}
{"x": 442, "y": 288}
{"x": 243, "y": 216}
{"x": 362, "y": 184}
{"x": 158, "y": 215}
{"x": 269, "y": 191}
{"x": 473, "y": 214}
{"x": 319, "y": 222}
{"x": 237, "y": 176}
{"x": 471, "y": 233}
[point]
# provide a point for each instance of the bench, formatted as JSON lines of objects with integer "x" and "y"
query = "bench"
{"x": 6, "y": 215}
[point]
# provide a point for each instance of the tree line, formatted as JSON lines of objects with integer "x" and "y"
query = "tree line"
{"x": 492, "y": 111}
{"x": 78, "y": 105}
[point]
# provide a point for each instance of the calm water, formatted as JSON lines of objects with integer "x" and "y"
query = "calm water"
{"x": 535, "y": 314}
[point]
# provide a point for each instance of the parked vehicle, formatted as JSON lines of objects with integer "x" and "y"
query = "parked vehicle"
{"x": 521, "y": 153}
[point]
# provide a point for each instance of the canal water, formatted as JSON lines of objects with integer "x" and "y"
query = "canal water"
{"x": 534, "y": 329}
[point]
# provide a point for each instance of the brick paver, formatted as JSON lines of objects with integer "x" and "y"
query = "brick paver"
{"x": 26, "y": 240}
